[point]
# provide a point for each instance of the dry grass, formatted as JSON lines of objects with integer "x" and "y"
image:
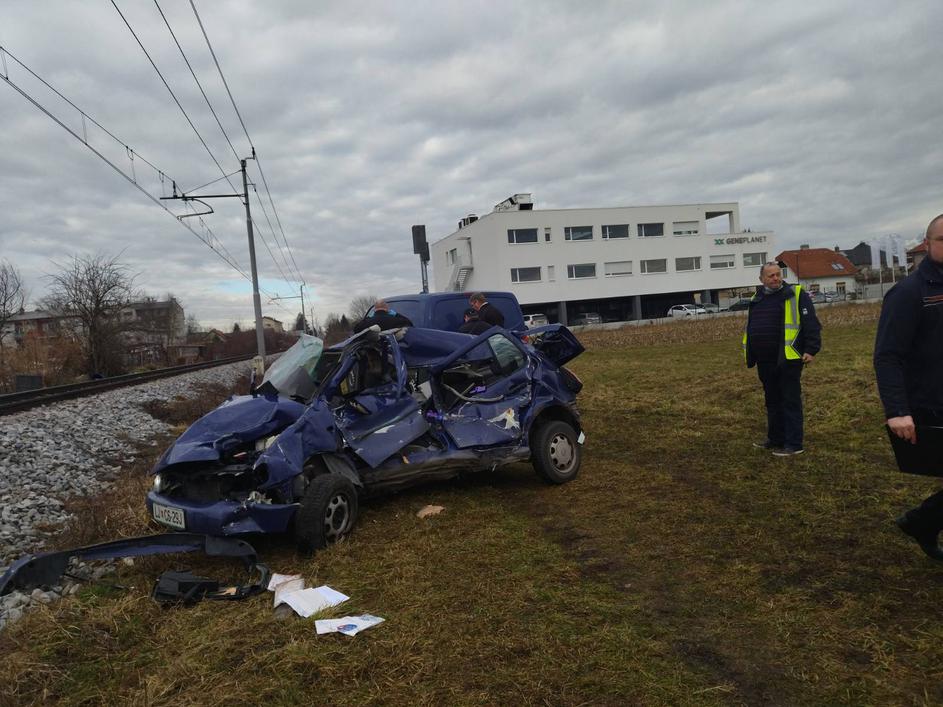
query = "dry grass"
{"x": 682, "y": 567}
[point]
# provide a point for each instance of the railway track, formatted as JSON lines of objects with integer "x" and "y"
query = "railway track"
{"x": 17, "y": 402}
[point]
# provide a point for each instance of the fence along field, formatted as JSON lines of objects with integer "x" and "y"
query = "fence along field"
{"x": 682, "y": 566}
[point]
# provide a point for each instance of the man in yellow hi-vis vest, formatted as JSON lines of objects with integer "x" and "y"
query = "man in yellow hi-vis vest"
{"x": 781, "y": 336}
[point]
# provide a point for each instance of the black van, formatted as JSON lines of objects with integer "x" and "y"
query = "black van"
{"x": 446, "y": 310}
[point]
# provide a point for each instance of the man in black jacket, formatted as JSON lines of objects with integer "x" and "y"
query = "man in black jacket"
{"x": 472, "y": 324}
{"x": 782, "y": 335}
{"x": 383, "y": 317}
{"x": 908, "y": 353}
{"x": 487, "y": 312}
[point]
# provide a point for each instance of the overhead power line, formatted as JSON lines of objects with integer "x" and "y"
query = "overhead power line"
{"x": 199, "y": 85}
{"x": 190, "y": 121}
{"x": 243, "y": 124}
{"x": 208, "y": 240}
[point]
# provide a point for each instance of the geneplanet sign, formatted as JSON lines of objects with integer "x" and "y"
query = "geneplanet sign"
{"x": 740, "y": 240}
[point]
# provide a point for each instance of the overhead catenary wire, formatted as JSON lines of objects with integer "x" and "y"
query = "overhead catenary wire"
{"x": 199, "y": 85}
{"x": 244, "y": 130}
{"x": 220, "y": 250}
{"x": 190, "y": 121}
{"x": 172, "y": 94}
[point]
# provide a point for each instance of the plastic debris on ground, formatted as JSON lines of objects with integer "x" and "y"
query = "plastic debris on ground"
{"x": 427, "y": 511}
{"x": 348, "y": 625}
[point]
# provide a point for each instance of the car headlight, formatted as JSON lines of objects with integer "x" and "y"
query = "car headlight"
{"x": 158, "y": 483}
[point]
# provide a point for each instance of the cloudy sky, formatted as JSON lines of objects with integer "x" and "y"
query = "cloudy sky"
{"x": 821, "y": 118}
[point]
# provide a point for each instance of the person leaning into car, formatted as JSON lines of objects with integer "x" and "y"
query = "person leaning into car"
{"x": 383, "y": 317}
{"x": 487, "y": 312}
{"x": 782, "y": 335}
{"x": 907, "y": 357}
{"x": 472, "y": 324}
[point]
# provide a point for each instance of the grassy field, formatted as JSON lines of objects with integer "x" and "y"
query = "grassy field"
{"x": 683, "y": 566}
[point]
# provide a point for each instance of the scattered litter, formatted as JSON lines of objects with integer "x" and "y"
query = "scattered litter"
{"x": 427, "y": 511}
{"x": 279, "y": 578}
{"x": 289, "y": 586}
{"x": 348, "y": 625}
{"x": 310, "y": 601}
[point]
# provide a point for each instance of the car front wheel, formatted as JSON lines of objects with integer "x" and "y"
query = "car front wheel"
{"x": 328, "y": 512}
{"x": 556, "y": 453}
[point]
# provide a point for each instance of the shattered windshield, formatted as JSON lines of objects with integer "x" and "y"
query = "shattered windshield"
{"x": 292, "y": 375}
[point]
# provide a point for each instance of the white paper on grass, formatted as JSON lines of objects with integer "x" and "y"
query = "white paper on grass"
{"x": 289, "y": 586}
{"x": 348, "y": 625}
{"x": 314, "y": 599}
{"x": 277, "y": 579}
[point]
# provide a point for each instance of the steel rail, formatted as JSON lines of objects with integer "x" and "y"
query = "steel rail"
{"x": 24, "y": 400}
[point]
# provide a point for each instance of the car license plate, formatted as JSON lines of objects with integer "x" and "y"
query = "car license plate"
{"x": 169, "y": 516}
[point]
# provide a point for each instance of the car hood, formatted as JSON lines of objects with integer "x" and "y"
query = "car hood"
{"x": 240, "y": 419}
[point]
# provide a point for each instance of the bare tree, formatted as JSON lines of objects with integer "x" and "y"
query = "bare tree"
{"x": 193, "y": 326}
{"x": 300, "y": 322}
{"x": 12, "y": 296}
{"x": 92, "y": 290}
{"x": 360, "y": 305}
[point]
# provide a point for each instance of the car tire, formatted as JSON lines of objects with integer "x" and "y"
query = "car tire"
{"x": 555, "y": 452}
{"x": 328, "y": 512}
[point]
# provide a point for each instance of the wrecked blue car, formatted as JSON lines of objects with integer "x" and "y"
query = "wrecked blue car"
{"x": 376, "y": 413}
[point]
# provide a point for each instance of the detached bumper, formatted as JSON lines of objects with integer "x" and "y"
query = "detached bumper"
{"x": 227, "y": 517}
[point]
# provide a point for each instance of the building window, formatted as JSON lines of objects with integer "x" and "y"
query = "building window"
{"x": 686, "y": 264}
{"x": 650, "y": 230}
{"x": 753, "y": 260}
{"x": 577, "y": 272}
{"x": 578, "y": 233}
{"x": 451, "y": 256}
{"x": 618, "y": 268}
{"x": 685, "y": 228}
{"x": 814, "y": 288}
{"x": 722, "y": 262}
{"x": 785, "y": 272}
{"x": 525, "y": 274}
{"x": 617, "y": 231}
{"x": 547, "y": 234}
{"x": 650, "y": 267}
{"x": 552, "y": 273}
{"x": 522, "y": 235}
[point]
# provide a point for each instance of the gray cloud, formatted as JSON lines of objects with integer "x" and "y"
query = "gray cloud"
{"x": 819, "y": 118}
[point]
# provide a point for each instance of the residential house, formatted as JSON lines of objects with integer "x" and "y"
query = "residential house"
{"x": 819, "y": 270}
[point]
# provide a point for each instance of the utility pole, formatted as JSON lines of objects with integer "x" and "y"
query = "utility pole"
{"x": 259, "y": 363}
{"x": 256, "y": 300}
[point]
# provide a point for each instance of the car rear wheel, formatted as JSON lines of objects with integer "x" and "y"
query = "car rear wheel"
{"x": 328, "y": 512}
{"x": 555, "y": 453}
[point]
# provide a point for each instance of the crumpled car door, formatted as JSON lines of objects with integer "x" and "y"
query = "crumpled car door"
{"x": 488, "y": 413}
{"x": 556, "y": 342}
{"x": 380, "y": 421}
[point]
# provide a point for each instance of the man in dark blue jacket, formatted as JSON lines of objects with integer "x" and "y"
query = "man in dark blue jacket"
{"x": 908, "y": 362}
{"x": 781, "y": 336}
{"x": 383, "y": 317}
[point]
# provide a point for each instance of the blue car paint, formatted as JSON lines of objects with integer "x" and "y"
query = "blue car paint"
{"x": 228, "y": 517}
{"x": 238, "y": 420}
{"x": 472, "y": 435}
{"x": 312, "y": 433}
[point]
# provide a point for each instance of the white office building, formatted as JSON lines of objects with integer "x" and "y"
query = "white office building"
{"x": 628, "y": 262}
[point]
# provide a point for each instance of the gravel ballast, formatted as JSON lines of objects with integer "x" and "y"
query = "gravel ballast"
{"x": 72, "y": 448}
